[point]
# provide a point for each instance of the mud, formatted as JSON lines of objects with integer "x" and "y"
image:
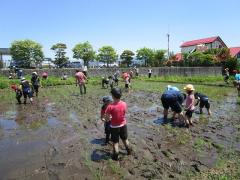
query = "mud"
{"x": 61, "y": 137}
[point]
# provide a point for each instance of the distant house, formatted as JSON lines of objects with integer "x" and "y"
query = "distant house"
{"x": 235, "y": 52}
{"x": 202, "y": 44}
{"x": 5, "y": 56}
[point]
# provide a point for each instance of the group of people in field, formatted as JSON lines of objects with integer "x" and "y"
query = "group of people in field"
{"x": 27, "y": 89}
{"x": 113, "y": 110}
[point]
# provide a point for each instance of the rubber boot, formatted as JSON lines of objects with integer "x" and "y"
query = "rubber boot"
{"x": 107, "y": 139}
{"x": 129, "y": 150}
{"x": 115, "y": 157}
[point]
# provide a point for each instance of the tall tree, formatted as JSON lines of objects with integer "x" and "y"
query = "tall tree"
{"x": 145, "y": 54}
{"x": 84, "y": 51}
{"x": 159, "y": 57}
{"x": 127, "y": 57}
{"x": 223, "y": 54}
{"x": 60, "y": 54}
{"x": 107, "y": 54}
{"x": 26, "y": 53}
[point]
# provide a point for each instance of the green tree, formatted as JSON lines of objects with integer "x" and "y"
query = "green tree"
{"x": 60, "y": 54}
{"x": 145, "y": 54}
{"x": 127, "y": 57}
{"x": 84, "y": 51}
{"x": 159, "y": 58}
{"x": 232, "y": 64}
{"x": 26, "y": 53}
{"x": 223, "y": 54}
{"x": 107, "y": 54}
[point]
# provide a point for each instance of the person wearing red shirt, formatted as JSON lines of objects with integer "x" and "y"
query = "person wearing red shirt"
{"x": 81, "y": 80}
{"x": 115, "y": 113}
{"x": 126, "y": 78}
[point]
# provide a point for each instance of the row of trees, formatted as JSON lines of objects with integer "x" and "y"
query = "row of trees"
{"x": 211, "y": 57}
{"x": 27, "y": 53}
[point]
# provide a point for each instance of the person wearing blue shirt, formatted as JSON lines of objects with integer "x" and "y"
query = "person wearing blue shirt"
{"x": 169, "y": 87}
{"x": 173, "y": 99}
{"x": 237, "y": 82}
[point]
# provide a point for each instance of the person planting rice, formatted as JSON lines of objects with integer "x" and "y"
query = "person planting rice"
{"x": 26, "y": 90}
{"x": 126, "y": 78}
{"x": 115, "y": 77}
{"x": 115, "y": 113}
{"x": 131, "y": 74}
{"x": 110, "y": 81}
{"x": 105, "y": 82}
{"x": 172, "y": 98}
{"x": 189, "y": 107}
{"x": 35, "y": 80}
{"x": 136, "y": 71}
{"x": 149, "y": 72}
{"x": 81, "y": 80}
{"x": 18, "y": 92}
{"x": 44, "y": 75}
{"x": 106, "y": 101}
{"x": 226, "y": 75}
{"x": 237, "y": 81}
{"x": 204, "y": 102}
{"x": 169, "y": 87}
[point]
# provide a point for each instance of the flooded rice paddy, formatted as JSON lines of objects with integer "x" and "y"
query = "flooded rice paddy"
{"x": 60, "y": 137}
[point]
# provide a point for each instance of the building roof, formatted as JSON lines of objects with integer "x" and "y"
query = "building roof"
{"x": 202, "y": 41}
{"x": 234, "y": 51}
{"x": 5, "y": 51}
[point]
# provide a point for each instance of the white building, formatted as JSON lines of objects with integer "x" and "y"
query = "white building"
{"x": 5, "y": 56}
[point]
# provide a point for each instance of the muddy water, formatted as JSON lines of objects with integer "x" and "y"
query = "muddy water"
{"x": 52, "y": 140}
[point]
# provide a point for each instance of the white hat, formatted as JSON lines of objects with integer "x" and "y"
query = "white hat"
{"x": 23, "y": 79}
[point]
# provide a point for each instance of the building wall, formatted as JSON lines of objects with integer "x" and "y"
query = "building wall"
{"x": 187, "y": 49}
{"x": 217, "y": 44}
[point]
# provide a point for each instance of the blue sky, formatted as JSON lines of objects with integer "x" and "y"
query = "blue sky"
{"x": 123, "y": 24}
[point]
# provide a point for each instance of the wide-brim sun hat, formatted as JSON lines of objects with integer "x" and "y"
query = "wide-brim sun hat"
{"x": 189, "y": 87}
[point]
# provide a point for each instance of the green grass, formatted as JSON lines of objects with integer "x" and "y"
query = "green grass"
{"x": 227, "y": 168}
{"x": 200, "y": 144}
{"x": 183, "y": 79}
{"x": 181, "y": 137}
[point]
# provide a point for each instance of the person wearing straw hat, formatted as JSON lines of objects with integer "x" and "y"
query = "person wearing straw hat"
{"x": 189, "y": 106}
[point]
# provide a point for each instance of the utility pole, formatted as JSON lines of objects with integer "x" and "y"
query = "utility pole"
{"x": 168, "y": 36}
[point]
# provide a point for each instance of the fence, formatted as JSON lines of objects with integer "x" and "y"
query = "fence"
{"x": 156, "y": 71}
